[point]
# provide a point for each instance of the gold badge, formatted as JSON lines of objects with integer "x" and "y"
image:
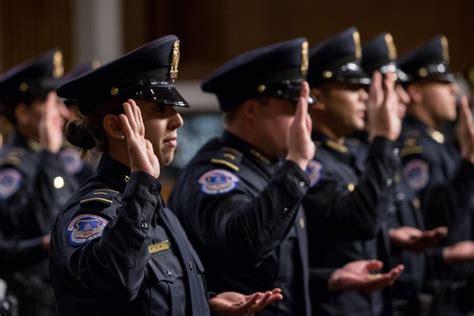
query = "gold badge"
{"x": 351, "y": 187}
{"x": 261, "y": 88}
{"x": 444, "y": 45}
{"x": 174, "y": 61}
{"x": 23, "y": 87}
{"x": 159, "y": 247}
{"x": 392, "y": 50}
{"x": 304, "y": 59}
{"x": 327, "y": 74}
{"x": 358, "y": 49}
{"x": 423, "y": 72}
{"x": 114, "y": 91}
{"x": 58, "y": 70}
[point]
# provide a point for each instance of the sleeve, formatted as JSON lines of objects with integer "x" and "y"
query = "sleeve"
{"x": 32, "y": 204}
{"x": 444, "y": 199}
{"x": 234, "y": 221}
{"x": 19, "y": 254}
{"x": 107, "y": 251}
{"x": 354, "y": 211}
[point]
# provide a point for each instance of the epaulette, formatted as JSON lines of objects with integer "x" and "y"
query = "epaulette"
{"x": 229, "y": 157}
{"x": 411, "y": 147}
{"x": 99, "y": 198}
{"x": 12, "y": 157}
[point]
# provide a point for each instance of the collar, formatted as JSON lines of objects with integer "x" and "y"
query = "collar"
{"x": 434, "y": 134}
{"x": 232, "y": 140}
{"x": 116, "y": 172}
{"x": 17, "y": 139}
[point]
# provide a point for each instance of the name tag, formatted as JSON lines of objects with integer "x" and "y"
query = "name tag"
{"x": 161, "y": 246}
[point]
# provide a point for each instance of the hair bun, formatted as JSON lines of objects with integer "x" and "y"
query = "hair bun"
{"x": 79, "y": 136}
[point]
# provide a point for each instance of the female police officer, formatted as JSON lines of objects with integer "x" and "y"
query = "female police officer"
{"x": 116, "y": 249}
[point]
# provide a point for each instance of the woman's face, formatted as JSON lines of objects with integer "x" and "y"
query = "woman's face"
{"x": 161, "y": 125}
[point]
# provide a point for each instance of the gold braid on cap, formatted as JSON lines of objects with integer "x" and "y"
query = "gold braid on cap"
{"x": 444, "y": 45}
{"x": 58, "y": 70}
{"x": 358, "y": 49}
{"x": 392, "y": 50}
{"x": 304, "y": 59}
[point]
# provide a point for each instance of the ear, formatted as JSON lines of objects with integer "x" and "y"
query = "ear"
{"x": 21, "y": 114}
{"x": 415, "y": 93}
{"x": 250, "y": 109}
{"x": 113, "y": 127}
{"x": 320, "y": 99}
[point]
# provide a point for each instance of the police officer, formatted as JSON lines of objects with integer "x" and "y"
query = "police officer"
{"x": 243, "y": 190}
{"x": 346, "y": 203}
{"x": 439, "y": 174}
{"x": 116, "y": 249}
{"x": 408, "y": 237}
{"x": 33, "y": 182}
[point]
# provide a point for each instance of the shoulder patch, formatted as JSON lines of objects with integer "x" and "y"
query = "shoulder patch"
{"x": 72, "y": 161}
{"x": 10, "y": 180}
{"x": 417, "y": 174}
{"x": 84, "y": 228}
{"x": 100, "y": 197}
{"x": 229, "y": 157}
{"x": 314, "y": 170}
{"x": 217, "y": 181}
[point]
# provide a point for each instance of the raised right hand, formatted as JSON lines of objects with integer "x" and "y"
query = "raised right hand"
{"x": 383, "y": 115}
{"x": 465, "y": 131}
{"x": 52, "y": 123}
{"x": 140, "y": 149}
{"x": 301, "y": 148}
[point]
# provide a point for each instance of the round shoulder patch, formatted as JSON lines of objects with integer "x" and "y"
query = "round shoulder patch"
{"x": 313, "y": 170}
{"x": 10, "y": 180}
{"x": 417, "y": 174}
{"x": 71, "y": 160}
{"x": 218, "y": 181}
{"x": 84, "y": 228}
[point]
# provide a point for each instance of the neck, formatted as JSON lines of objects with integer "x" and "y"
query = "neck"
{"x": 119, "y": 152}
{"x": 420, "y": 112}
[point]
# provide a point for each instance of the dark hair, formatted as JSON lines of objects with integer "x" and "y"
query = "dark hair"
{"x": 88, "y": 132}
{"x": 10, "y": 103}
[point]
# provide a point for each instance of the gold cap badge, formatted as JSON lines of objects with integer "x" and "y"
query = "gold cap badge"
{"x": 174, "y": 61}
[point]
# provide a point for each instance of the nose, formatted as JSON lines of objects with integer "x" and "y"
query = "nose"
{"x": 363, "y": 95}
{"x": 176, "y": 121}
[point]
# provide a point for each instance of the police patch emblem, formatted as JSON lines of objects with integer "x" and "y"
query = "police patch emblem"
{"x": 84, "y": 228}
{"x": 417, "y": 174}
{"x": 313, "y": 170}
{"x": 71, "y": 160}
{"x": 218, "y": 181}
{"x": 10, "y": 180}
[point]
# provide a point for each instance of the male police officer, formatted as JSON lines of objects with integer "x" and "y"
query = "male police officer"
{"x": 33, "y": 181}
{"x": 408, "y": 238}
{"x": 346, "y": 202}
{"x": 242, "y": 205}
{"x": 440, "y": 175}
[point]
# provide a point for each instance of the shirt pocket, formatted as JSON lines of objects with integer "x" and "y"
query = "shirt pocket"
{"x": 168, "y": 288}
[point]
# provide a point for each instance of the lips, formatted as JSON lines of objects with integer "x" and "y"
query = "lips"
{"x": 171, "y": 141}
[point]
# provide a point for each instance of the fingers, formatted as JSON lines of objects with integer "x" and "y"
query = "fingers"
{"x": 302, "y": 107}
{"x": 267, "y": 299}
{"x": 374, "y": 265}
{"x": 126, "y": 126}
{"x": 127, "y": 107}
{"x": 250, "y": 301}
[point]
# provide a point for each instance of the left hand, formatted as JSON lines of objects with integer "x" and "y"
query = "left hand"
{"x": 236, "y": 304}
{"x": 413, "y": 239}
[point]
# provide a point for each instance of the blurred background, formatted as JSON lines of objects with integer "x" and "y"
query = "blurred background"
{"x": 212, "y": 31}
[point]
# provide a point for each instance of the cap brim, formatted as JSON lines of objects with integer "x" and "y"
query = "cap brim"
{"x": 162, "y": 95}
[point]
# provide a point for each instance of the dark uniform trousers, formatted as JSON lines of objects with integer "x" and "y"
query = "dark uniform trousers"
{"x": 444, "y": 184}
{"x": 346, "y": 210}
{"x": 243, "y": 215}
{"x": 117, "y": 250}
{"x": 34, "y": 187}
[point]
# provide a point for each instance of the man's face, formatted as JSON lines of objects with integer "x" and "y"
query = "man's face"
{"x": 440, "y": 100}
{"x": 274, "y": 117}
{"x": 161, "y": 125}
{"x": 345, "y": 107}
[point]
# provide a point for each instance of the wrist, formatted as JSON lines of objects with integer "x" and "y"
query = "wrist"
{"x": 300, "y": 161}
